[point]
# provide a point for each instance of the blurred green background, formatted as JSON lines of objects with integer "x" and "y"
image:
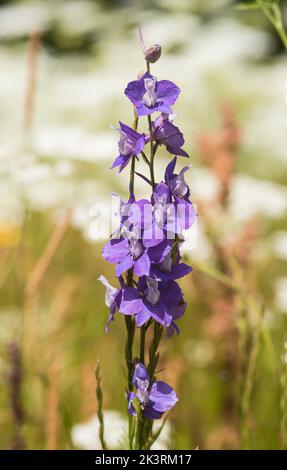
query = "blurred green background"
{"x": 64, "y": 66}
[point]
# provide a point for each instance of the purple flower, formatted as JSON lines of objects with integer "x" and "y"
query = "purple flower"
{"x": 179, "y": 190}
{"x": 167, "y": 270}
{"x": 153, "y": 400}
{"x": 171, "y": 217}
{"x": 161, "y": 301}
{"x": 112, "y": 300}
{"x": 166, "y": 133}
{"x": 148, "y": 95}
{"x": 130, "y": 143}
{"x": 128, "y": 253}
{"x": 176, "y": 183}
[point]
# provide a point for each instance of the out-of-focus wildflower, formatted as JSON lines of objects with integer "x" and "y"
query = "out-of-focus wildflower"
{"x": 218, "y": 150}
{"x": 85, "y": 435}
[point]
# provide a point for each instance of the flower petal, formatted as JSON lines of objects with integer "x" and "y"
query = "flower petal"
{"x": 121, "y": 161}
{"x": 142, "y": 265}
{"x": 169, "y": 170}
{"x": 131, "y": 302}
{"x": 159, "y": 252}
{"x": 124, "y": 265}
{"x": 162, "y": 397}
{"x": 140, "y": 373}
{"x": 115, "y": 250}
{"x": 167, "y": 92}
{"x": 131, "y": 396}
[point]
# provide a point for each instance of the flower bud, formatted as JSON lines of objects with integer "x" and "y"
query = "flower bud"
{"x": 153, "y": 53}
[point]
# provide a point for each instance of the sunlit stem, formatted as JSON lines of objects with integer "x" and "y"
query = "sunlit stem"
{"x": 274, "y": 15}
{"x": 130, "y": 323}
{"x": 142, "y": 345}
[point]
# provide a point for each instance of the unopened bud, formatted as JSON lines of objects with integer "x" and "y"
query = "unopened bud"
{"x": 153, "y": 53}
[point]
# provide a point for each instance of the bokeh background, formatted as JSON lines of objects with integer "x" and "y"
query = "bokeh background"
{"x": 64, "y": 66}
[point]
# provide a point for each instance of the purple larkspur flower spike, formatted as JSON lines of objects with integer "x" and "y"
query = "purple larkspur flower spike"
{"x": 166, "y": 133}
{"x": 154, "y": 400}
{"x": 149, "y": 95}
{"x": 130, "y": 143}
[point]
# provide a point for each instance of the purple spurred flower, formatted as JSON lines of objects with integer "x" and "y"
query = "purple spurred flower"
{"x": 180, "y": 192}
{"x": 130, "y": 143}
{"x": 154, "y": 400}
{"x": 112, "y": 300}
{"x": 176, "y": 182}
{"x": 127, "y": 253}
{"x": 130, "y": 252}
{"x": 167, "y": 270}
{"x": 161, "y": 301}
{"x": 149, "y": 95}
{"x": 166, "y": 133}
{"x": 171, "y": 212}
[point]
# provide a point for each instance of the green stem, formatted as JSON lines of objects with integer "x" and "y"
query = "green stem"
{"x": 250, "y": 375}
{"x": 279, "y": 25}
{"x": 130, "y": 326}
{"x": 283, "y": 405}
{"x": 152, "y": 153}
{"x": 145, "y": 158}
{"x": 142, "y": 345}
{"x": 140, "y": 433}
{"x": 274, "y": 15}
{"x": 132, "y": 178}
{"x": 129, "y": 321}
{"x": 153, "y": 354}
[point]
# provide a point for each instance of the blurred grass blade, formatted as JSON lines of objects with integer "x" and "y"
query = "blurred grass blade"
{"x": 247, "y": 6}
{"x": 99, "y": 395}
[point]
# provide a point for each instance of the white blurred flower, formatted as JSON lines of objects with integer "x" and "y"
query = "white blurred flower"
{"x": 32, "y": 173}
{"x": 250, "y": 196}
{"x": 281, "y": 294}
{"x": 19, "y": 20}
{"x": 75, "y": 143}
{"x": 204, "y": 185}
{"x": 86, "y": 435}
{"x": 279, "y": 244}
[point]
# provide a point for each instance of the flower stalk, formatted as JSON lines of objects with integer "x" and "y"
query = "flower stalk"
{"x": 99, "y": 395}
{"x": 145, "y": 250}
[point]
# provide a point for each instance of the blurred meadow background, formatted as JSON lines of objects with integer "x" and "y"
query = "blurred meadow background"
{"x": 64, "y": 66}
